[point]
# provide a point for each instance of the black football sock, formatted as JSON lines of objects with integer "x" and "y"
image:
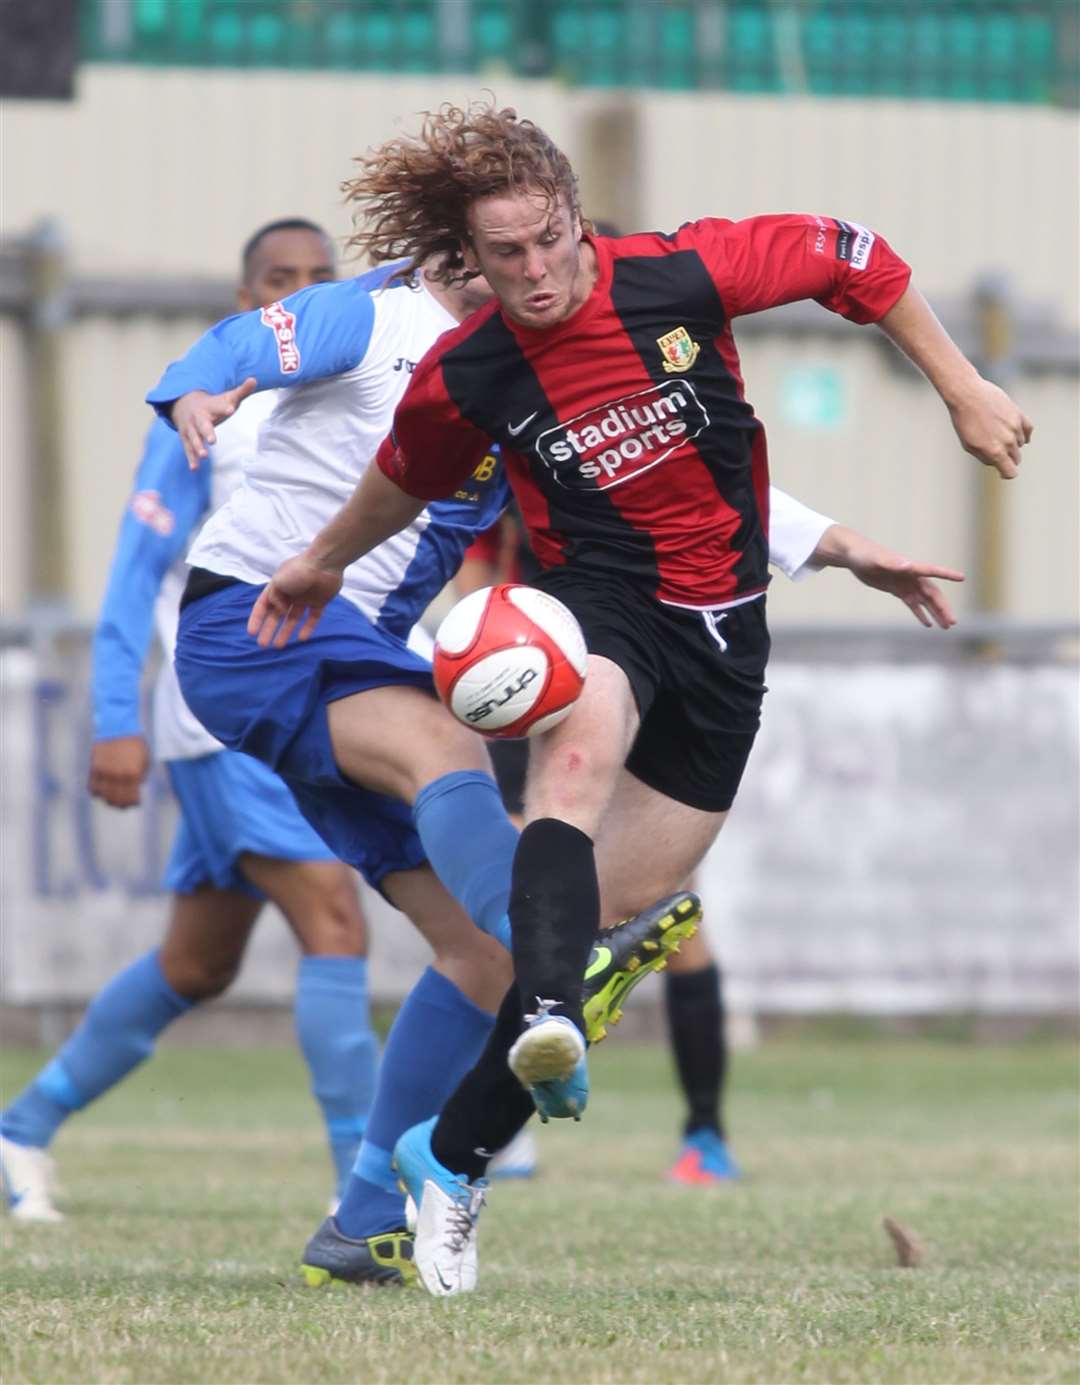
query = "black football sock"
{"x": 554, "y": 915}
{"x": 489, "y": 1106}
{"x": 696, "y": 1021}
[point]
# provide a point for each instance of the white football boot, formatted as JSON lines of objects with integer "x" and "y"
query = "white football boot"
{"x": 448, "y": 1207}
{"x": 548, "y": 1059}
{"x": 28, "y": 1178}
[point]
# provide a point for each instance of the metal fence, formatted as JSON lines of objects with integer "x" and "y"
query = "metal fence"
{"x": 984, "y": 50}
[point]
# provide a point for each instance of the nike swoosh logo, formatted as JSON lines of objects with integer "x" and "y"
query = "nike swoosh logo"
{"x": 514, "y": 431}
{"x": 599, "y": 963}
{"x": 442, "y": 1281}
{"x": 483, "y": 1153}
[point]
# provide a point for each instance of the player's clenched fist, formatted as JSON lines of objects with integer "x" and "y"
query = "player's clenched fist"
{"x": 991, "y": 427}
{"x": 297, "y": 592}
{"x": 117, "y": 770}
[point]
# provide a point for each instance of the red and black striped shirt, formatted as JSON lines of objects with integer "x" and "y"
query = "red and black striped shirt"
{"x": 624, "y": 429}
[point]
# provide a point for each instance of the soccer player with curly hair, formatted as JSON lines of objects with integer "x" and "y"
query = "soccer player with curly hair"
{"x": 607, "y": 371}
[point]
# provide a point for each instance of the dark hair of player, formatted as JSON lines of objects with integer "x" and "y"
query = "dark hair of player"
{"x": 412, "y": 193}
{"x": 285, "y": 223}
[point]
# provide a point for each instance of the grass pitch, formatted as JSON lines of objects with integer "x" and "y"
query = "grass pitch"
{"x": 191, "y": 1190}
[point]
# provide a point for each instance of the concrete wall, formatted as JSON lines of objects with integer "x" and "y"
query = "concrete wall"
{"x": 167, "y": 171}
{"x": 904, "y": 842}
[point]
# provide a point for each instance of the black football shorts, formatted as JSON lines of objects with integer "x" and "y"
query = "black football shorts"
{"x": 698, "y": 677}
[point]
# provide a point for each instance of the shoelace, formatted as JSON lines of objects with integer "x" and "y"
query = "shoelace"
{"x": 543, "y": 1010}
{"x": 461, "y": 1218}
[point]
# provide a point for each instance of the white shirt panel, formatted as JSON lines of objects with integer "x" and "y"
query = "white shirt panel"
{"x": 314, "y": 450}
{"x": 177, "y": 732}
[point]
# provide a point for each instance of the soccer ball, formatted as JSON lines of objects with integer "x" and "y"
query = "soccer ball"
{"x": 509, "y": 660}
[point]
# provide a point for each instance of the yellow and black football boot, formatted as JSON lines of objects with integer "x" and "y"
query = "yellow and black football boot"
{"x": 624, "y": 955}
{"x": 331, "y": 1257}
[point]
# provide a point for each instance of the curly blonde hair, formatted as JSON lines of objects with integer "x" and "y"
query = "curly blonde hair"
{"x": 412, "y": 193}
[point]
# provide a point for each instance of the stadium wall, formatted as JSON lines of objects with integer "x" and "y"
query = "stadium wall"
{"x": 904, "y": 844}
{"x": 166, "y": 170}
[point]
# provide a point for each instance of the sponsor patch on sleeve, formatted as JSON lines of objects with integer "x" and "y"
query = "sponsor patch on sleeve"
{"x": 853, "y": 243}
{"x": 148, "y": 509}
{"x": 283, "y": 325}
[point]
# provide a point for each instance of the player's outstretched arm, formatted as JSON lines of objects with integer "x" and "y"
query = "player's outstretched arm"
{"x": 987, "y": 422}
{"x": 314, "y": 334}
{"x": 195, "y": 414}
{"x": 768, "y": 260}
{"x": 910, "y": 581}
{"x": 301, "y": 588}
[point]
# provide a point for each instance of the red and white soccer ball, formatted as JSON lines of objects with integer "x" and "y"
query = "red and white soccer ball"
{"x": 509, "y": 661}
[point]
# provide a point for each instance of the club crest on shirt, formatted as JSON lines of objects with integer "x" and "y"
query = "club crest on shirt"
{"x": 679, "y": 350}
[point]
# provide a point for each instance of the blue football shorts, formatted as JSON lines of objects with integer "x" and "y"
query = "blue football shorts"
{"x": 271, "y": 704}
{"x": 230, "y": 804}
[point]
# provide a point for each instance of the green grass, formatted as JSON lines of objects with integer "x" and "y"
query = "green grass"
{"x": 192, "y": 1189}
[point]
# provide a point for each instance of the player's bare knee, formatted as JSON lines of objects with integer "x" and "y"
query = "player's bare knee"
{"x": 478, "y": 965}
{"x": 334, "y": 924}
{"x": 576, "y": 778}
{"x": 198, "y": 978}
{"x": 447, "y": 748}
{"x": 474, "y": 947}
{"x": 495, "y": 961}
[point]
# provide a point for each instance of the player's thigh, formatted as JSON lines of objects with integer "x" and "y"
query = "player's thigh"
{"x": 395, "y": 739}
{"x": 474, "y": 961}
{"x": 318, "y": 898}
{"x": 352, "y": 700}
{"x": 647, "y": 846}
{"x": 205, "y": 941}
{"x": 573, "y": 769}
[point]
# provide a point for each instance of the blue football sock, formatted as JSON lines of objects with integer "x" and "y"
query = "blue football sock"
{"x": 333, "y": 1025}
{"x": 437, "y": 1036}
{"x": 470, "y": 843}
{"x": 115, "y": 1035}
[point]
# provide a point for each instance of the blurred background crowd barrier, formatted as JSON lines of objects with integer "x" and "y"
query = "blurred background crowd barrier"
{"x": 952, "y": 49}
{"x": 906, "y": 838}
{"x": 904, "y": 843}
